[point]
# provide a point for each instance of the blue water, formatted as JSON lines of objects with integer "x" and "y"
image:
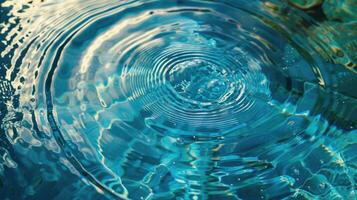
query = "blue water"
{"x": 177, "y": 99}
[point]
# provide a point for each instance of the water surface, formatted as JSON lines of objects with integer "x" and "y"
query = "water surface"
{"x": 184, "y": 99}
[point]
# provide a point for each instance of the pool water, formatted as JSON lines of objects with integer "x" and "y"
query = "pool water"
{"x": 181, "y": 99}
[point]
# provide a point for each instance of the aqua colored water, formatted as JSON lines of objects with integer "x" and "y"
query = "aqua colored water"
{"x": 178, "y": 99}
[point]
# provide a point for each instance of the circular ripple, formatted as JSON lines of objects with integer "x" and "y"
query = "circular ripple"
{"x": 195, "y": 99}
{"x": 179, "y": 78}
{"x": 181, "y": 74}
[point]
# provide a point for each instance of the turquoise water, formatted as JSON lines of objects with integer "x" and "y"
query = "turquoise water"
{"x": 181, "y": 99}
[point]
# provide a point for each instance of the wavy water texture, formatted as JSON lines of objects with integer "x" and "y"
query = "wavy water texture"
{"x": 181, "y": 99}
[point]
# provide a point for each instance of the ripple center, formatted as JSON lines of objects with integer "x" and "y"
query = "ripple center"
{"x": 199, "y": 80}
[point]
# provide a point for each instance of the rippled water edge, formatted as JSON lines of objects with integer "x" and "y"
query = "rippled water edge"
{"x": 36, "y": 164}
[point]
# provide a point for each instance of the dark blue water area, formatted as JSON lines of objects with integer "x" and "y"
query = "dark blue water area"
{"x": 182, "y": 99}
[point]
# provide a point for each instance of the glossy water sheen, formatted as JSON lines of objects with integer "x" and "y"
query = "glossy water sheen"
{"x": 181, "y": 99}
